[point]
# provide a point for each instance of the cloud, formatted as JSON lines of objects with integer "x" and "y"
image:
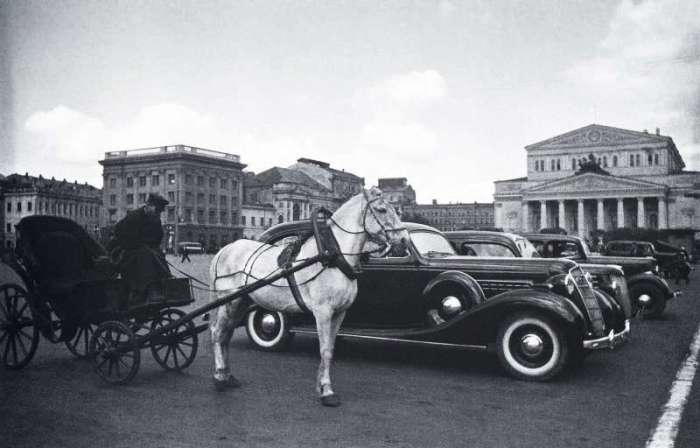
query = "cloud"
{"x": 403, "y": 138}
{"x": 648, "y": 44}
{"x": 410, "y": 88}
{"x": 71, "y": 135}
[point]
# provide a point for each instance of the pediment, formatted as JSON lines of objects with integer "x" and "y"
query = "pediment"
{"x": 597, "y": 135}
{"x": 591, "y": 183}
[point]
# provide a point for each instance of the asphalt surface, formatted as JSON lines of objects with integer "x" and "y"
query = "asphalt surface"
{"x": 393, "y": 395}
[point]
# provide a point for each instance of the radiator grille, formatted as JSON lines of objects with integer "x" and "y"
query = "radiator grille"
{"x": 585, "y": 291}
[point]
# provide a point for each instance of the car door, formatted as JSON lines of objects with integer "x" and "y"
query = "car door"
{"x": 389, "y": 293}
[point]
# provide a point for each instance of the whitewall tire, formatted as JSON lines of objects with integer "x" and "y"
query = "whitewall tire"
{"x": 268, "y": 330}
{"x": 531, "y": 347}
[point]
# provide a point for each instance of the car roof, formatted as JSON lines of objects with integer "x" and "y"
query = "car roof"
{"x": 305, "y": 226}
{"x": 550, "y": 236}
{"x": 485, "y": 234}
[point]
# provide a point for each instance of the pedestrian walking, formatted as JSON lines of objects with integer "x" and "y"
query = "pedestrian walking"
{"x": 185, "y": 254}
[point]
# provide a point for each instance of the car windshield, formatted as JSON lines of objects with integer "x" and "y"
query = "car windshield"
{"x": 526, "y": 248}
{"x": 431, "y": 243}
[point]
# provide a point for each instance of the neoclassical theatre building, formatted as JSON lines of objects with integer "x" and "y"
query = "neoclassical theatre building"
{"x": 640, "y": 182}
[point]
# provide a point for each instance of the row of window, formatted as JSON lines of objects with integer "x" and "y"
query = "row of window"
{"x": 56, "y": 208}
{"x": 467, "y": 214}
{"x": 130, "y": 199}
{"x": 261, "y": 221}
{"x": 223, "y": 183}
{"x": 634, "y": 160}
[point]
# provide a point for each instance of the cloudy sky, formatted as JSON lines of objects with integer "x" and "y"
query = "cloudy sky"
{"x": 446, "y": 93}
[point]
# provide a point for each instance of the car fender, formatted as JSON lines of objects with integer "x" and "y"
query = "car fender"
{"x": 465, "y": 281}
{"x": 486, "y": 318}
{"x": 649, "y": 278}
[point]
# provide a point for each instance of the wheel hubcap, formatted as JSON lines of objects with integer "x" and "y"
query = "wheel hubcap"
{"x": 644, "y": 299}
{"x": 268, "y": 324}
{"x": 531, "y": 344}
{"x": 451, "y": 305}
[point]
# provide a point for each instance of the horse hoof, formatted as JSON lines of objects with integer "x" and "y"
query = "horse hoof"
{"x": 229, "y": 383}
{"x": 332, "y": 401}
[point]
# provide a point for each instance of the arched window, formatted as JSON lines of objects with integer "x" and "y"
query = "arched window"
{"x": 637, "y": 161}
{"x": 614, "y": 160}
{"x": 649, "y": 159}
{"x": 631, "y": 159}
{"x": 558, "y": 164}
{"x": 280, "y": 219}
{"x": 551, "y": 164}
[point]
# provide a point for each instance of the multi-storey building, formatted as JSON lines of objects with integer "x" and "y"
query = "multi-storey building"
{"x": 204, "y": 187}
{"x": 397, "y": 190}
{"x": 341, "y": 183}
{"x": 296, "y": 191}
{"x": 639, "y": 181}
{"x": 256, "y": 218}
{"x": 456, "y": 216}
{"x": 25, "y": 195}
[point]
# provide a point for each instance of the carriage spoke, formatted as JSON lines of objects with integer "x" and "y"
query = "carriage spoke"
{"x": 21, "y": 344}
{"x": 167, "y": 354}
{"x": 182, "y": 352}
{"x": 102, "y": 363}
{"x": 177, "y": 362}
{"x": 21, "y": 310}
{"x": 2, "y": 338}
{"x": 14, "y": 349}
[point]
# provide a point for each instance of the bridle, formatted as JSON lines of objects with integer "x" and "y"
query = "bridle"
{"x": 385, "y": 245}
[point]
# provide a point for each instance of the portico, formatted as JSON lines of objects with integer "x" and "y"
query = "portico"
{"x": 590, "y": 201}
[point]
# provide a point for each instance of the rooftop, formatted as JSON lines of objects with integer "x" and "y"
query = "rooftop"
{"x": 172, "y": 149}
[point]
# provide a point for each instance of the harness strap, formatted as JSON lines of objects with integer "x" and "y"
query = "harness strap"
{"x": 294, "y": 287}
{"x": 328, "y": 245}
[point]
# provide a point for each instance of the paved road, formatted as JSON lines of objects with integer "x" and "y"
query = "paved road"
{"x": 393, "y": 396}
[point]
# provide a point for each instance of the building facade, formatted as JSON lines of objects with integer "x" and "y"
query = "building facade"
{"x": 457, "y": 216}
{"x": 256, "y": 218}
{"x": 397, "y": 190}
{"x": 204, "y": 188}
{"x": 25, "y": 195}
{"x": 634, "y": 179}
{"x": 294, "y": 192}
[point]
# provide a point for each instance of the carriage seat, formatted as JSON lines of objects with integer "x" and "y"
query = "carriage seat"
{"x": 63, "y": 262}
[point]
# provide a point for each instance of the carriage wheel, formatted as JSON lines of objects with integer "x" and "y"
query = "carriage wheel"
{"x": 80, "y": 344}
{"x": 19, "y": 335}
{"x": 177, "y": 348}
{"x": 117, "y": 355}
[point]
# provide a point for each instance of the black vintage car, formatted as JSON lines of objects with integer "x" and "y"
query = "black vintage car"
{"x": 607, "y": 277}
{"x": 648, "y": 291}
{"x": 537, "y": 315}
{"x": 673, "y": 261}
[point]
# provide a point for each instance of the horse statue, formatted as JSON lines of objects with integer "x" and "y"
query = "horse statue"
{"x": 326, "y": 290}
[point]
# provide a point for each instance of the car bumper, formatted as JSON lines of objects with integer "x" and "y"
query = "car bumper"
{"x": 610, "y": 341}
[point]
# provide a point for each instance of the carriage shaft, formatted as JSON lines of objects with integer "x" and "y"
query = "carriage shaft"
{"x": 229, "y": 298}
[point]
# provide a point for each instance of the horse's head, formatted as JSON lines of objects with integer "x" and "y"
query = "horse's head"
{"x": 381, "y": 220}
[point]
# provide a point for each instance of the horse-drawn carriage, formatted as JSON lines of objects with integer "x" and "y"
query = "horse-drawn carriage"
{"x": 75, "y": 296}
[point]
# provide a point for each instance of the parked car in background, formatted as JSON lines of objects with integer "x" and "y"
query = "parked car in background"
{"x": 191, "y": 247}
{"x": 538, "y": 315}
{"x": 649, "y": 292}
{"x": 673, "y": 261}
{"x": 609, "y": 278}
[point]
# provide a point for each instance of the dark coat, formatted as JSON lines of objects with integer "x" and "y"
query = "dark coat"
{"x": 137, "y": 239}
{"x": 137, "y": 229}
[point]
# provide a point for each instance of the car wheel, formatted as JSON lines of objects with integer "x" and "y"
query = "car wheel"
{"x": 648, "y": 300}
{"x": 268, "y": 330}
{"x": 446, "y": 303}
{"x": 531, "y": 347}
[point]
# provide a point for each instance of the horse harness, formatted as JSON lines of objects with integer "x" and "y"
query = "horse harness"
{"x": 327, "y": 246}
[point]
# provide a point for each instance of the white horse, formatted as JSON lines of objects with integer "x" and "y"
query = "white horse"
{"x": 326, "y": 291}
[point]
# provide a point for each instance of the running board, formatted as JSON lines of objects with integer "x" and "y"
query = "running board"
{"x": 381, "y": 338}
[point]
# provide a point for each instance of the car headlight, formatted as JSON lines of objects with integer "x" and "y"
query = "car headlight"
{"x": 614, "y": 285}
{"x": 589, "y": 277}
{"x": 570, "y": 285}
{"x": 656, "y": 269}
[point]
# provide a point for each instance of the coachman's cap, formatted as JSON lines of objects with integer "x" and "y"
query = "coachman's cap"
{"x": 156, "y": 200}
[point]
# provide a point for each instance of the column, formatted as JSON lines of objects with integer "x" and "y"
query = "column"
{"x": 620, "y": 212}
{"x": 662, "y": 213}
{"x": 526, "y": 217}
{"x": 543, "y": 214}
{"x": 581, "y": 219}
{"x": 562, "y": 215}
{"x": 641, "y": 222}
{"x": 601, "y": 215}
